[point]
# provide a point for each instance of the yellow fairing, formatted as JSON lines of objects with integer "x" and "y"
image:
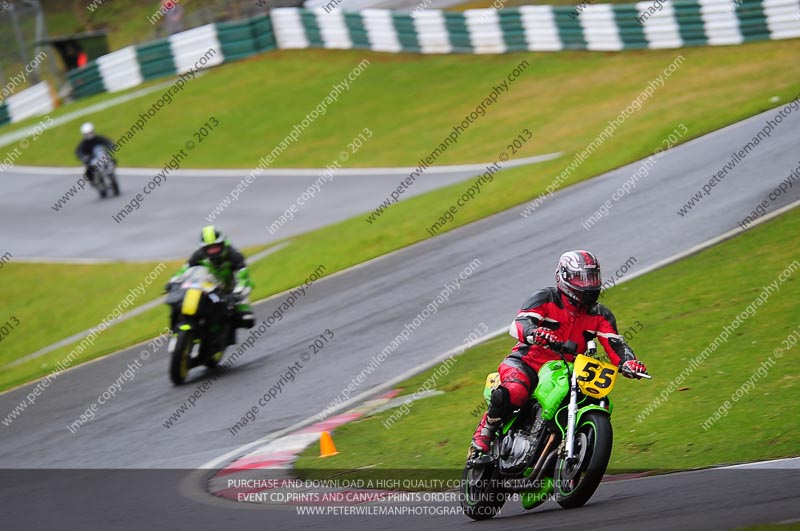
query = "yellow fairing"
{"x": 190, "y": 301}
{"x": 492, "y": 381}
{"x": 595, "y": 378}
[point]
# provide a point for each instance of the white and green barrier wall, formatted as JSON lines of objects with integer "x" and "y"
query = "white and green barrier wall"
{"x": 200, "y": 47}
{"x": 33, "y": 101}
{"x": 539, "y": 28}
{"x": 542, "y": 28}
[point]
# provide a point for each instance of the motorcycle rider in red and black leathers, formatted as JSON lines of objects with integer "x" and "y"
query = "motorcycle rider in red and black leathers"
{"x": 569, "y": 311}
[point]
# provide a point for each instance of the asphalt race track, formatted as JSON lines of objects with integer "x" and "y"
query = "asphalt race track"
{"x": 713, "y": 499}
{"x": 84, "y": 227}
{"x": 366, "y": 308}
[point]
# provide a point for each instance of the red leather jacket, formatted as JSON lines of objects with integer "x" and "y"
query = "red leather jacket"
{"x": 550, "y": 309}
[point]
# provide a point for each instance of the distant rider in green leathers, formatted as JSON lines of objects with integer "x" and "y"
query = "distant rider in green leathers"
{"x": 228, "y": 265}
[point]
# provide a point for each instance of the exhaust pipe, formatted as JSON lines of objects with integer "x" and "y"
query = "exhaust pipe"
{"x": 524, "y": 485}
{"x": 546, "y": 451}
{"x": 545, "y": 461}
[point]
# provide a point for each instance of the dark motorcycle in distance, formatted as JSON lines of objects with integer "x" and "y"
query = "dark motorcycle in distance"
{"x": 558, "y": 444}
{"x": 101, "y": 172}
{"x": 202, "y": 315}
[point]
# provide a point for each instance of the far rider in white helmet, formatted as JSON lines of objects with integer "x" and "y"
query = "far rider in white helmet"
{"x": 86, "y": 147}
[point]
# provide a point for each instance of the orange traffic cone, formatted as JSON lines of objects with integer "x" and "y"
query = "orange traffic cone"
{"x": 326, "y": 446}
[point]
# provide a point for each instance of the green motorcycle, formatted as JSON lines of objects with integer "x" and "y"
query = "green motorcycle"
{"x": 558, "y": 444}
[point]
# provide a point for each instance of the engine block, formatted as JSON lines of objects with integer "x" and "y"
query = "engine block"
{"x": 516, "y": 453}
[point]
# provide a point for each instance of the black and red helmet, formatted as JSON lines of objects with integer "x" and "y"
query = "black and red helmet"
{"x": 578, "y": 277}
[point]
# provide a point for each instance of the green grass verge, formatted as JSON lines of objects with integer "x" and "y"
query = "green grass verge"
{"x": 411, "y": 102}
{"x": 682, "y": 307}
{"x": 55, "y": 301}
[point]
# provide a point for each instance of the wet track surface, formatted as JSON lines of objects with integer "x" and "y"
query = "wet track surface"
{"x": 688, "y": 501}
{"x": 87, "y": 227}
{"x": 366, "y": 308}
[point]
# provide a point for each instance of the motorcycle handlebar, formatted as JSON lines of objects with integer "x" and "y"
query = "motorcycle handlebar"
{"x": 570, "y": 347}
{"x": 563, "y": 347}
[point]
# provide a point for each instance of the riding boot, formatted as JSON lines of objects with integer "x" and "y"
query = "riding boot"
{"x": 485, "y": 434}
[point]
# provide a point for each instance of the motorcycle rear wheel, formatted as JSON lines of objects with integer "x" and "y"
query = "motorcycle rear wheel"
{"x": 576, "y": 483}
{"x": 214, "y": 359}
{"x": 179, "y": 363}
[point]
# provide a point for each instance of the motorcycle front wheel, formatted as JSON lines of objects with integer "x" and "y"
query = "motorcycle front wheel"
{"x": 577, "y": 481}
{"x": 179, "y": 362}
{"x": 114, "y": 184}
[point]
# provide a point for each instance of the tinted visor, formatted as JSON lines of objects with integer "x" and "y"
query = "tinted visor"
{"x": 583, "y": 279}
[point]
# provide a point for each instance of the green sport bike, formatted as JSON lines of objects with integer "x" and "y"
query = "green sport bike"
{"x": 558, "y": 444}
